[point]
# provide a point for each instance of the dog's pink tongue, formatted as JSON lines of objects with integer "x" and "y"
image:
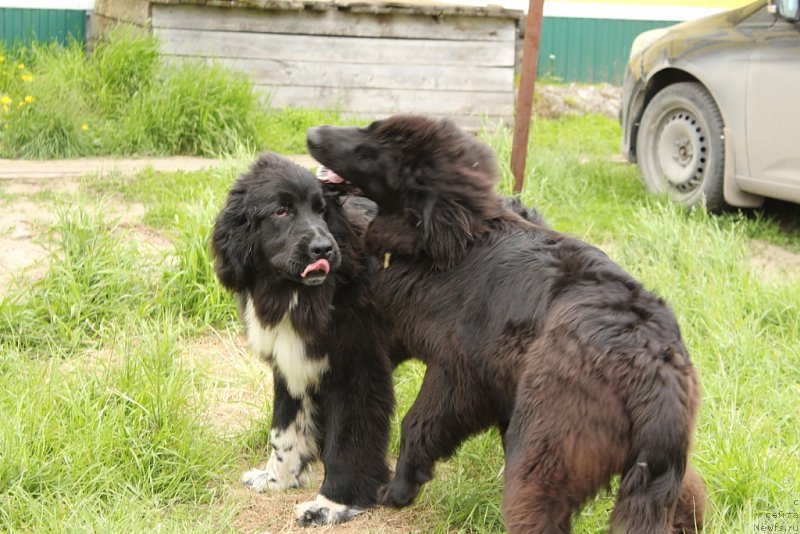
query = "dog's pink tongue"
{"x": 319, "y": 265}
{"x": 327, "y": 176}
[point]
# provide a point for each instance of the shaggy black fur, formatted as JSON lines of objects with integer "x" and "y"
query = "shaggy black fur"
{"x": 583, "y": 370}
{"x": 276, "y": 238}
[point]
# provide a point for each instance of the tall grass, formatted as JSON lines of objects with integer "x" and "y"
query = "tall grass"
{"x": 94, "y": 281}
{"x": 111, "y": 450}
{"x": 122, "y": 99}
{"x": 100, "y": 279}
{"x": 192, "y": 109}
{"x": 190, "y": 286}
{"x": 101, "y": 427}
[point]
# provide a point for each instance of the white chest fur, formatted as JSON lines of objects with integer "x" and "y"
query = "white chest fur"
{"x": 282, "y": 345}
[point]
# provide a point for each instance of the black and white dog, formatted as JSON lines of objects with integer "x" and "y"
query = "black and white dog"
{"x": 284, "y": 245}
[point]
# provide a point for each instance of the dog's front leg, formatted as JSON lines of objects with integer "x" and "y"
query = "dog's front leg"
{"x": 357, "y": 410}
{"x": 294, "y": 439}
{"x": 446, "y": 411}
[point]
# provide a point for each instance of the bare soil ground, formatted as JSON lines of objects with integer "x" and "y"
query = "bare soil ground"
{"x": 772, "y": 262}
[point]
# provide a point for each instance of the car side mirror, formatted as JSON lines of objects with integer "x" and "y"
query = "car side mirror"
{"x": 787, "y": 9}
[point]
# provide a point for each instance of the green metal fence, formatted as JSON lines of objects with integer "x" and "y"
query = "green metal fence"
{"x": 20, "y": 26}
{"x": 588, "y": 50}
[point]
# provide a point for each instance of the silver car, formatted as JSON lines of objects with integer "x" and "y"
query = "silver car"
{"x": 711, "y": 107}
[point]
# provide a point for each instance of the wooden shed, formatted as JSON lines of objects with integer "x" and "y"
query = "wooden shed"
{"x": 364, "y": 58}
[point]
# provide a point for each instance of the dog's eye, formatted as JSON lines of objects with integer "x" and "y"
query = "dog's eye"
{"x": 283, "y": 211}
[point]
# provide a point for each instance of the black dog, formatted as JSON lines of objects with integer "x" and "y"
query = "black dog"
{"x": 287, "y": 249}
{"x": 583, "y": 371}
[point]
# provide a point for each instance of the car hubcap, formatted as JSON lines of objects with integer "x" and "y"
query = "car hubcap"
{"x": 682, "y": 151}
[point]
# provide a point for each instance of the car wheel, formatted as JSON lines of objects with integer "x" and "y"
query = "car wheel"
{"x": 680, "y": 148}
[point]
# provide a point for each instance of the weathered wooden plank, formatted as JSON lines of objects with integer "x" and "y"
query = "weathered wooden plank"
{"x": 383, "y": 102}
{"x": 371, "y": 76}
{"x": 334, "y": 22}
{"x": 375, "y": 7}
{"x": 367, "y": 50}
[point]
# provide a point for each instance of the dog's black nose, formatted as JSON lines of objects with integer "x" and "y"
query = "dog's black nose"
{"x": 321, "y": 247}
{"x": 313, "y": 138}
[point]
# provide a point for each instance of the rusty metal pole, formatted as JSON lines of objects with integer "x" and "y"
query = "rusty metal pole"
{"x": 527, "y": 81}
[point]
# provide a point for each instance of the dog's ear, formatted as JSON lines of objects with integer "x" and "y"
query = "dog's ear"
{"x": 447, "y": 229}
{"x": 231, "y": 243}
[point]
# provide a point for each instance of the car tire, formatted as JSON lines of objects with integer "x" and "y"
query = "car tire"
{"x": 680, "y": 146}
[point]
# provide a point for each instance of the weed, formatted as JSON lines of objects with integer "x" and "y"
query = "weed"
{"x": 190, "y": 287}
{"x": 123, "y": 99}
{"x": 80, "y": 451}
{"x": 93, "y": 282}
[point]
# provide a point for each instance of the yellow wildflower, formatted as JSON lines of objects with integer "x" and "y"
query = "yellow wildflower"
{"x": 2, "y": 58}
{"x": 26, "y": 77}
{"x": 21, "y": 66}
{"x": 6, "y": 108}
{"x": 21, "y": 103}
{"x": 29, "y": 99}
{"x": 5, "y": 99}
{"x": 84, "y": 126}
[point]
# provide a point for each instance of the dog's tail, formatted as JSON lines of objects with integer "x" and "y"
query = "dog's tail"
{"x": 658, "y": 494}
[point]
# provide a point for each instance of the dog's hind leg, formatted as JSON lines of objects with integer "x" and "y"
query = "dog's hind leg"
{"x": 565, "y": 440}
{"x": 449, "y": 408}
{"x": 691, "y": 504}
{"x": 294, "y": 440}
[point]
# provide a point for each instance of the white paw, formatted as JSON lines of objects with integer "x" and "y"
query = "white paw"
{"x": 323, "y": 511}
{"x": 261, "y": 480}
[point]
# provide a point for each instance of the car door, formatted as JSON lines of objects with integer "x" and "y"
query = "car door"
{"x": 773, "y": 111}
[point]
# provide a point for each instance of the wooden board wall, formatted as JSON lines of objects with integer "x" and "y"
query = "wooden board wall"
{"x": 361, "y": 64}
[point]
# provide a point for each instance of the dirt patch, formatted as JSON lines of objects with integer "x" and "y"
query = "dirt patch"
{"x": 773, "y": 263}
{"x": 236, "y": 388}
{"x": 554, "y": 101}
{"x": 236, "y": 383}
{"x": 273, "y": 513}
{"x": 70, "y": 186}
{"x": 21, "y": 224}
{"x": 30, "y": 208}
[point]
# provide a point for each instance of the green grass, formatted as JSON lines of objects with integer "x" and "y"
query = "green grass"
{"x": 94, "y": 281}
{"x": 111, "y": 450}
{"x": 124, "y": 99}
{"x": 118, "y": 447}
{"x": 100, "y": 279}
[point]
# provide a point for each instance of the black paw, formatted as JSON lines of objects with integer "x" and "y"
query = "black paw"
{"x": 398, "y": 494}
